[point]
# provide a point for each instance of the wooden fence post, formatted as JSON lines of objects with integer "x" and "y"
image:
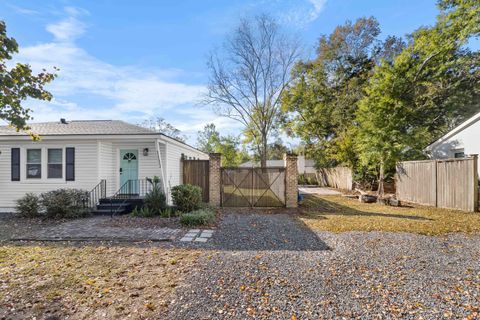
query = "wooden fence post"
{"x": 291, "y": 181}
{"x": 475, "y": 181}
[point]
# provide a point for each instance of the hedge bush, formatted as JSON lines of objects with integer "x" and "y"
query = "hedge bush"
{"x": 29, "y": 206}
{"x": 198, "y": 217}
{"x": 187, "y": 197}
{"x": 64, "y": 203}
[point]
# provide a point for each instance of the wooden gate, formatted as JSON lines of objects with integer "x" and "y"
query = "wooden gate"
{"x": 196, "y": 172}
{"x": 253, "y": 187}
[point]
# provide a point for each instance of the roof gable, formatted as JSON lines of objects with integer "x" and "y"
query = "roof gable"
{"x": 464, "y": 125}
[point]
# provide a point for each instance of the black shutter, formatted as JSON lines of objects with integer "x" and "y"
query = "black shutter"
{"x": 15, "y": 164}
{"x": 70, "y": 164}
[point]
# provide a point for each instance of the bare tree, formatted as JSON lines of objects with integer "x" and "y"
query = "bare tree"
{"x": 248, "y": 76}
{"x": 159, "y": 124}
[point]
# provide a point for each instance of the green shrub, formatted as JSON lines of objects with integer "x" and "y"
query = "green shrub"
{"x": 168, "y": 212}
{"x": 144, "y": 212}
{"x": 302, "y": 180}
{"x": 155, "y": 199}
{"x": 29, "y": 206}
{"x": 198, "y": 217}
{"x": 187, "y": 197}
{"x": 64, "y": 203}
{"x": 312, "y": 181}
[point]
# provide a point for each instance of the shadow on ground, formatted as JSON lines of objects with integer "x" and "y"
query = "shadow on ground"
{"x": 257, "y": 231}
{"x": 326, "y": 207}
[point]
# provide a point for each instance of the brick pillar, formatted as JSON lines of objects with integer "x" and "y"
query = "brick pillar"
{"x": 291, "y": 180}
{"x": 214, "y": 179}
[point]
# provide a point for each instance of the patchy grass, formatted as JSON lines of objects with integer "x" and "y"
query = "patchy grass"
{"x": 90, "y": 282}
{"x": 340, "y": 214}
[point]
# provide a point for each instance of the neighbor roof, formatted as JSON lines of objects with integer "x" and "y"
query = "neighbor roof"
{"x": 455, "y": 131}
{"x": 79, "y": 127}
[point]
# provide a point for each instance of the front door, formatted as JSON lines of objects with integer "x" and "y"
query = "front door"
{"x": 129, "y": 171}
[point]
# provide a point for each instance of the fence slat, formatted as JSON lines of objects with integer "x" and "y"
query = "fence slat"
{"x": 196, "y": 172}
{"x": 338, "y": 177}
{"x": 451, "y": 183}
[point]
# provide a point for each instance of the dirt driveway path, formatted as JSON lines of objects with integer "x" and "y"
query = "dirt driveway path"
{"x": 272, "y": 267}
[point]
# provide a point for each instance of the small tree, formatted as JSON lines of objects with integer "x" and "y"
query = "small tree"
{"x": 431, "y": 85}
{"x": 210, "y": 140}
{"x": 248, "y": 77}
{"x": 18, "y": 84}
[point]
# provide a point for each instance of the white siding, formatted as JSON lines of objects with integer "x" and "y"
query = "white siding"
{"x": 86, "y": 176}
{"x": 106, "y": 168}
{"x": 466, "y": 141}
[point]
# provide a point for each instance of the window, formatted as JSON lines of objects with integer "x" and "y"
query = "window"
{"x": 34, "y": 163}
{"x": 55, "y": 163}
{"x": 459, "y": 154}
{"x": 129, "y": 156}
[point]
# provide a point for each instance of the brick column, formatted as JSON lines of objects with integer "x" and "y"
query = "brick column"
{"x": 214, "y": 179}
{"x": 291, "y": 180}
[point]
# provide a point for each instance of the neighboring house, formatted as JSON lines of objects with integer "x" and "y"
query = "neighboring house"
{"x": 462, "y": 141}
{"x": 79, "y": 154}
{"x": 305, "y": 166}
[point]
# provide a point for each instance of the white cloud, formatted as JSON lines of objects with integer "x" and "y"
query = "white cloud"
{"x": 70, "y": 28}
{"x": 21, "y": 10}
{"x": 318, "y": 6}
{"x": 300, "y": 13}
{"x": 124, "y": 92}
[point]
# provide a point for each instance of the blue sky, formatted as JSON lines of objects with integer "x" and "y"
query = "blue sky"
{"x": 133, "y": 60}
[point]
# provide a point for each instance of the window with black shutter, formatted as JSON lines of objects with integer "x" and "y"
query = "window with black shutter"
{"x": 70, "y": 164}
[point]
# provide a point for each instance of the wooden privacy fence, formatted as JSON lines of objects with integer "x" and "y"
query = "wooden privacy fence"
{"x": 338, "y": 177}
{"x": 253, "y": 187}
{"x": 450, "y": 183}
{"x": 196, "y": 172}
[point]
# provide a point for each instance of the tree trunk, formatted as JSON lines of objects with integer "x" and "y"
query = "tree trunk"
{"x": 263, "y": 154}
{"x": 381, "y": 178}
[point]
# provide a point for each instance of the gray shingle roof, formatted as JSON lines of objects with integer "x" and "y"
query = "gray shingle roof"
{"x": 77, "y": 127}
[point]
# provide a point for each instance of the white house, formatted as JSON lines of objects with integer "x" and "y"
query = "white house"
{"x": 79, "y": 154}
{"x": 304, "y": 166}
{"x": 462, "y": 141}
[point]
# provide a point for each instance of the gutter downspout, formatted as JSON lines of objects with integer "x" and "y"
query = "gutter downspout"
{"x": 160, "y": 162}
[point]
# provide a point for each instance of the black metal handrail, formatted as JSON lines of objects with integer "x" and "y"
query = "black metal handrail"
{"x": 131, "y": 189}
{"x": 97, "y": 193}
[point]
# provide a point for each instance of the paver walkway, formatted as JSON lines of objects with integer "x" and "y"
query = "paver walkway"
{"x": 93, "y": 228}
{"x": 197, "y": 235}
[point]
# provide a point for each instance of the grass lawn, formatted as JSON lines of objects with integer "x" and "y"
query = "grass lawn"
{"x": 89, "y": 282}
{"x": 340, "y": 214}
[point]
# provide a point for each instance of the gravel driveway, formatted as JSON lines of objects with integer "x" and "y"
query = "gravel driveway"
{"x": 270, "y": 266}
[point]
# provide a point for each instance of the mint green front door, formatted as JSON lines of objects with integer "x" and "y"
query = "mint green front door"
{"x": 129, "y": 171}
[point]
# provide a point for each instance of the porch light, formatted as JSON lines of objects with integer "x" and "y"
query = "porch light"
{"x": 145, "y": 152}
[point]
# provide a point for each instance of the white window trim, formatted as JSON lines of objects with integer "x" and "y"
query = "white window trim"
{"x": 44, "y": 165}
{"x": 62, "y": 163}
{"x": 26, "y": 164}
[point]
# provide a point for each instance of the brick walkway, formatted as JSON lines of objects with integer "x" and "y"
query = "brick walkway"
{"x": 94, "y": 229}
